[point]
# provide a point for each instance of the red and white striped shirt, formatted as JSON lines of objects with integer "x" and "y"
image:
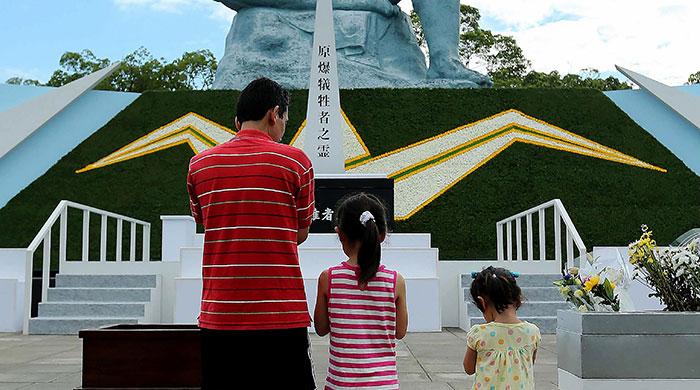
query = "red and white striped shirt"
{"x": 363, "y": 328}
{"x": 252, "y": 195}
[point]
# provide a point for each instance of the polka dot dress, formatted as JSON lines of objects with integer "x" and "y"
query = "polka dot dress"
{"x": 504, "y": 355}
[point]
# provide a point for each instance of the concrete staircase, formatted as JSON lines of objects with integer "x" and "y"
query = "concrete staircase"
{"x": 90, "y": 301}
{"x": 542, "y": 300}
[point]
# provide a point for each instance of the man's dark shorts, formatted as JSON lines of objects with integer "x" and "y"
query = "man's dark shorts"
{"x": 256, "y": 359}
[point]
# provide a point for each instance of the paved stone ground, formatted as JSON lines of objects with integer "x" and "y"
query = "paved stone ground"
{"x": 427, "y": 361}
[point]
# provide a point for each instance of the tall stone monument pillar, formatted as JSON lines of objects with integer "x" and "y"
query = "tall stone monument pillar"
{"x": 324, "y": 142}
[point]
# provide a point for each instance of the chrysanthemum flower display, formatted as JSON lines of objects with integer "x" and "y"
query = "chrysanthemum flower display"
{"x": 673, "y": 273}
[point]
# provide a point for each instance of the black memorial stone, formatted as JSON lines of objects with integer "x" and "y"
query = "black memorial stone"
{"x": 330, "y": 190}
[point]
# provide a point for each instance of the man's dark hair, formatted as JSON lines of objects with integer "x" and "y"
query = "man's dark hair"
{"x": 259, "y": 97}
{"x": 498, "y": 287}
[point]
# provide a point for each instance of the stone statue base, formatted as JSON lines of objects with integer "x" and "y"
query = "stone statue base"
{"x": 374, "y": 51}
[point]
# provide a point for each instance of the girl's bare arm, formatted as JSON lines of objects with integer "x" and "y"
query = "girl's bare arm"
{"x": 470, "y": 361}
{"x": 321, "y": 320}
{"x": 401, "y": 308}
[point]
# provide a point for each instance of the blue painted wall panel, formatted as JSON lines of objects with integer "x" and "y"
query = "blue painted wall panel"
{"x": 691, "y": 89}
{"x": 672, "y": 130}
{"x": 13, "y": 95}
{"x": 40, "y": 151}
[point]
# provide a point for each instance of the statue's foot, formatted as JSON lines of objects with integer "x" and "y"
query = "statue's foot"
{"x": 452, "y": 68}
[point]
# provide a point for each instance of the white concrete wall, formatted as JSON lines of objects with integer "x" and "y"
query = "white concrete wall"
{"x": 8, "y": 306}
{"x": 433, "y": 287}
{"x": 13, "y": 269}
{"x": 434, "y": 294}
{"x": 409, "y": 254}
{"x": 179, "y": 231}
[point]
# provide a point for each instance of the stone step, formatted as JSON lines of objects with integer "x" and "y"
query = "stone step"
{"x": 547, "y": 325}
{"x": 523, "y": 280}
{"x": 532, "y": 294}
{"x": 91, "y": 309}
{"x": 63, "y": 280}
{"x": 96, "y": 294}
{"x": 531, "y": 308}
{"x": 71, "y": 326}
{"x": 535, "y": 294}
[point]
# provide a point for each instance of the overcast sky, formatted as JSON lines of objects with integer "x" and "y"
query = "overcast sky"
{"x": 658, "y": 38}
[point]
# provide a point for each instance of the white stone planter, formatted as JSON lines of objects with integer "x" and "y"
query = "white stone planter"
{"x": 641, "y": 350}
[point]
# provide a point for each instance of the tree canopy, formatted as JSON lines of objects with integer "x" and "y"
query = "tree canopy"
{"x": 694, "y": 78}
{"x": 139, "y": 71}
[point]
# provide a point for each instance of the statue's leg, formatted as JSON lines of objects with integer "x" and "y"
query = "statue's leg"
{"x": 440, "y": 20}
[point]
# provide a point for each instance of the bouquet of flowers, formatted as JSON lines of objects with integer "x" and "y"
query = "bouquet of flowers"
{"x": 673, "y": 273}
{"x": 595, "y": 292}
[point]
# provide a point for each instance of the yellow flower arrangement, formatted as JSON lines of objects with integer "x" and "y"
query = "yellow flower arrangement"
{"x": 641, "y": 250}
{"x": 589, "y": 292}
{"x": 590, "y": 283}
{"x": 673, "y": 273}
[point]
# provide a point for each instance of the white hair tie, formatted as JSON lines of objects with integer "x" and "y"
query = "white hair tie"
{"x": 365, "y": 217}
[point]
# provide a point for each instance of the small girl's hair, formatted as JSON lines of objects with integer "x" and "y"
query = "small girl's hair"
{"x": 347, "y": 219}
{"x": 498, "y": 286}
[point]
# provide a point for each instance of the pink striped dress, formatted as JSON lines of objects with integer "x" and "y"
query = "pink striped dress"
{"x": 363, "y": 326}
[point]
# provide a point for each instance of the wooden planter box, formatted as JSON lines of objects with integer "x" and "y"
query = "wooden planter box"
{"x": 141, "y": 356}
{"x": 642, "y": 350}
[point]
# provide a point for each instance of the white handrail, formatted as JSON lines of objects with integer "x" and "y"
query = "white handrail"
{"x": 44, "y": 236}
{"x": 572, "y": 238}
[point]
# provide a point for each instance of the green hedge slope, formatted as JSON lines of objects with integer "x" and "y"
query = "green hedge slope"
{"x": 606, "y": 201}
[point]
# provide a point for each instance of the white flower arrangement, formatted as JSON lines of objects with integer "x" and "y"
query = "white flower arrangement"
{"x": 673, "y": 273}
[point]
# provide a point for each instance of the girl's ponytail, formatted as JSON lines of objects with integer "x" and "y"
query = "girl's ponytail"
{"x": 370, "y": 252}
{"x": 362, "y": 219}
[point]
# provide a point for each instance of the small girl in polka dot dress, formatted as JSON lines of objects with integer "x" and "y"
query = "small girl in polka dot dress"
{"x": 501, "y": 352}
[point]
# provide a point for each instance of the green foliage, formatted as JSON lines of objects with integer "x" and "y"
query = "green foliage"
{"x": 694, "y": 78}
{"x": 76, "y": 65}
{"x": 553, "y": 79}
{"x": 21, "y": 81}
{"x": 505, "y": 60}
{"x": 418, "y": 29}
{"x": 607, "y": 201}
{"x": 139, "y": 71}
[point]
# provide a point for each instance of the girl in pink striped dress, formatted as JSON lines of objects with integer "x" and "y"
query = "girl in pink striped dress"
{"x": 361, "y": 303}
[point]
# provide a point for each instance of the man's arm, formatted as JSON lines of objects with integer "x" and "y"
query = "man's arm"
{"x": 305, "y": 203}
{"x": 195, "y": 208}
{"x": 302, "y": 235}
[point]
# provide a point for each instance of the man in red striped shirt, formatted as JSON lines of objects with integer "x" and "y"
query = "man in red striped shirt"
{"x": 255, "y": 198}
